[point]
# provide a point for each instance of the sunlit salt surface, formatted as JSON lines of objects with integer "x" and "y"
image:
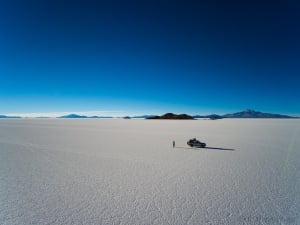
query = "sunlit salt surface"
{"x": 64, "y": 171}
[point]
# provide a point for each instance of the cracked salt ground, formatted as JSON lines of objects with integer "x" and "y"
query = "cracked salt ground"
{"x": 127, "y": 172}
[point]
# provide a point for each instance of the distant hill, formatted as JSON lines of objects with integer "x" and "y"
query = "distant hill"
{"x": 172, "y": 116}
{"x": 76, "y": 116}
{"x": 72, "y": 116}
{"x": 248, "y": 113}
{"x": 11, "y": 117}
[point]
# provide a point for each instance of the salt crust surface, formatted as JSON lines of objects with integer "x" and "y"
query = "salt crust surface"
{"x": 114, "y": 171}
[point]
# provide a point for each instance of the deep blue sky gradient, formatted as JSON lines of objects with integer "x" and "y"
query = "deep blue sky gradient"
{"x": 149, "y": 56}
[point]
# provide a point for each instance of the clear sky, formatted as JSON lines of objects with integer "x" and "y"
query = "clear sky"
{"x": 149, "y": 56}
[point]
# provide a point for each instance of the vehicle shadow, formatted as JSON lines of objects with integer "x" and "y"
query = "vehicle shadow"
{"x": 210, "y": 148}
{"x": 223, "y": 149}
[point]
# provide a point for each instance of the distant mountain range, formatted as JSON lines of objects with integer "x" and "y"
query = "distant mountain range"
{"x": 12, "y": 117}
{"x": 76, "y": 116}
{"x": 248, "y": 113}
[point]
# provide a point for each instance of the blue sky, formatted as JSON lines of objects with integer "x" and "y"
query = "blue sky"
{"x": 149, "y": 57}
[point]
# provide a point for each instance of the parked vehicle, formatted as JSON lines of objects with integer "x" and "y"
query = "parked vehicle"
{"x": 196, "y": 143}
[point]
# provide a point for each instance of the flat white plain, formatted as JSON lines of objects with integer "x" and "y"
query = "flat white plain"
{"x": 93, "y": 171}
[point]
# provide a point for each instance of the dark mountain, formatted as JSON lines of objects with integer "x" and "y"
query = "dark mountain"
{"x": 172, "y": 116}
{"x": 9, "y": 117}
{"x": 212, "y": 117}
{"x": 248, "y": 113}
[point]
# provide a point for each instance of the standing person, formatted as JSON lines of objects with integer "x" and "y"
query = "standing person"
{"x": 173, "y": 144}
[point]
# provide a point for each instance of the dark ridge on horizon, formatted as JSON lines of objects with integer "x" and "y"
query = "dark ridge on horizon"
{"x": 172, "y": 116}
{"x": 211, "y": 116}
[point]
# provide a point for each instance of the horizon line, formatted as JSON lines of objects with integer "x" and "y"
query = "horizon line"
{"x": 116, "y": 113}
